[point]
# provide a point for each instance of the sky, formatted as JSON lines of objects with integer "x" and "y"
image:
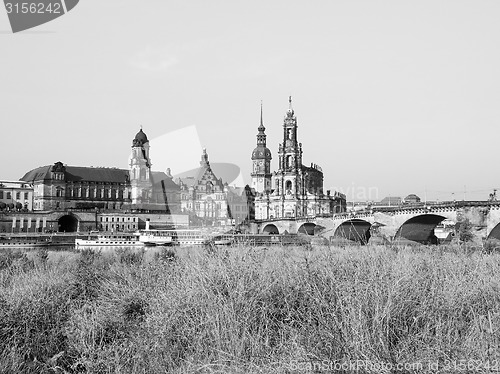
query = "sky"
{"x": 391, "y": 97}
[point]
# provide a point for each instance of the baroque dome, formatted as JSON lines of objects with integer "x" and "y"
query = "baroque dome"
{"x": 140, "y": 138}
{"x": 261, "y": 153}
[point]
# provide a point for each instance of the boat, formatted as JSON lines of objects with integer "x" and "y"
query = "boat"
{"x": 173, "y": 237}
{"x": 24, "y": 241}
{"x": 155, "y": 237}
{"x": 223, "y": 239}
{"x": 190, "y": 237}
{"x": 109, "y": 240}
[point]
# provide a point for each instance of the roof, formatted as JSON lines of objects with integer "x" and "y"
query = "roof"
{"x": 140, "y": 139}
{"x": 160, "y": 179}
{"x": 392, "y": 200}
{"x": 222, "y": 171}
{"x": 412, "y": 197}
{"x": 79, "y": 173}
{"x": 261, "y": 152}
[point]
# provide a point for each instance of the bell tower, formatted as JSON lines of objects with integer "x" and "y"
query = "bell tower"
{"x": 140, "y": 169}
{"x": 261, "y": 159}
{"x": 287, "y": 179}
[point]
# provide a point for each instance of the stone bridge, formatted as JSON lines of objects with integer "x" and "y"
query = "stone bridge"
{"x": 416, "y": 223}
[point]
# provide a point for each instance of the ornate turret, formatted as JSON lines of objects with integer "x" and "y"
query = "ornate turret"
{"x": 140, "y": 169}
{"x": 261, "y": 152}
{"x": 140, "y": 139}
{"x": 261, "y": 157}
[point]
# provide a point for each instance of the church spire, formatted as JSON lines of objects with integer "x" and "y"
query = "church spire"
{"x": 261, "y": 136}
{"x": 261, "y": 127}
{"x": 290, "y": 109}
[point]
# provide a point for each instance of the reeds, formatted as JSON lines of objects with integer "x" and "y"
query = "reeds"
{"x": 247, "y": 309}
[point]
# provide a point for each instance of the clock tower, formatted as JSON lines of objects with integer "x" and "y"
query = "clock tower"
{"x": 261, "y": 159}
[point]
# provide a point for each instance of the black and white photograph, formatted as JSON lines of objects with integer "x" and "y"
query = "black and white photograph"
{"x": 229, "y": 187}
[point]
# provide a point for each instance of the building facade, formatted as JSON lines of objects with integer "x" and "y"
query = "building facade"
{"x": 212, "y": 202}
{"x": 294, "y": 190}
{"x": 15, "y": 195}
{"x": 60, "y": 186}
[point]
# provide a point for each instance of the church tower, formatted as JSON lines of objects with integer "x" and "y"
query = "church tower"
{"x": 287, "y": 179}
{"x": 261, "y": 159}
{"x": 140, "y": 169}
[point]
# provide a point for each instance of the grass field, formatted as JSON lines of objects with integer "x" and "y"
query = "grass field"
{"x": 248, "y": 310}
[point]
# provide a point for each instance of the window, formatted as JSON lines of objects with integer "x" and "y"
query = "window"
{"x": 18, "y": 195}
{"x": 26, "y": 196}
{"x": 1, "y": 194}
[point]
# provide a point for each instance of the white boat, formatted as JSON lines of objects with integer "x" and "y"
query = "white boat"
{"x": 108, "y": 240}
{"x": 173, "y": 237}
{"x": 190, "y": 237}
{"x": 155, "y": 237}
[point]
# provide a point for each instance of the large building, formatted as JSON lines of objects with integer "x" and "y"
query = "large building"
{"x": 61, "y": 187}
{"x": 203, "y": 196}
{"x": 212, "y": 202}
{"x": 294, "y": 190}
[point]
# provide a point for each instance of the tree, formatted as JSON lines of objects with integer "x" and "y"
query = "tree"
{"x": 3, "y": 206}
{"x": 19, "y": 206}
{"x": 463, "y": 231}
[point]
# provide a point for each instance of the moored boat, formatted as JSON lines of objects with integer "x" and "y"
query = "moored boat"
{"x": 109, "y": 240}
{"x": 174, "y": 237}
{"x": 155, "y": 237}
{"x": 24, "y": 241}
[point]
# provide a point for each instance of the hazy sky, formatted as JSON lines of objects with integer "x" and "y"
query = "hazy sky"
{"x": 395, "y": 96}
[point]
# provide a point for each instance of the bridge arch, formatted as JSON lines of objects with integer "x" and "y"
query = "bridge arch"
{"x": 357, "y": 230}
{"x": 307, "y": 228}
{"x": 495, "y": 233}
{"x": 67, "y": 223}
{"x": 270, "y": 229}
{"x": 420, "y": 229}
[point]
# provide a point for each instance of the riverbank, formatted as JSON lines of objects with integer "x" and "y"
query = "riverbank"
{"x": 244, "y": 309}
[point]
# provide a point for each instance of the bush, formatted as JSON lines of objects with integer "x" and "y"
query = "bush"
{"x": 463, "y": 231}
{"x": 131, "y": 257}
{"x": 491, "y": 245}
{"x": 166, "y": 254}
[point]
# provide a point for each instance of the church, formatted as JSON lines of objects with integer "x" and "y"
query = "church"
{"x": 294, "y": 190}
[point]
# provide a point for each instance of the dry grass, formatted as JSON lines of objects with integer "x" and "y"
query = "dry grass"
{"x": 240, "y": 310}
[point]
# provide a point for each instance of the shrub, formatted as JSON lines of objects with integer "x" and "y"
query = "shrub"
{"x": 166, "y": 254}
{"x": 131, "y": 257}
{"x": 463, "y": 230}
{"x": 491, "y": 245}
